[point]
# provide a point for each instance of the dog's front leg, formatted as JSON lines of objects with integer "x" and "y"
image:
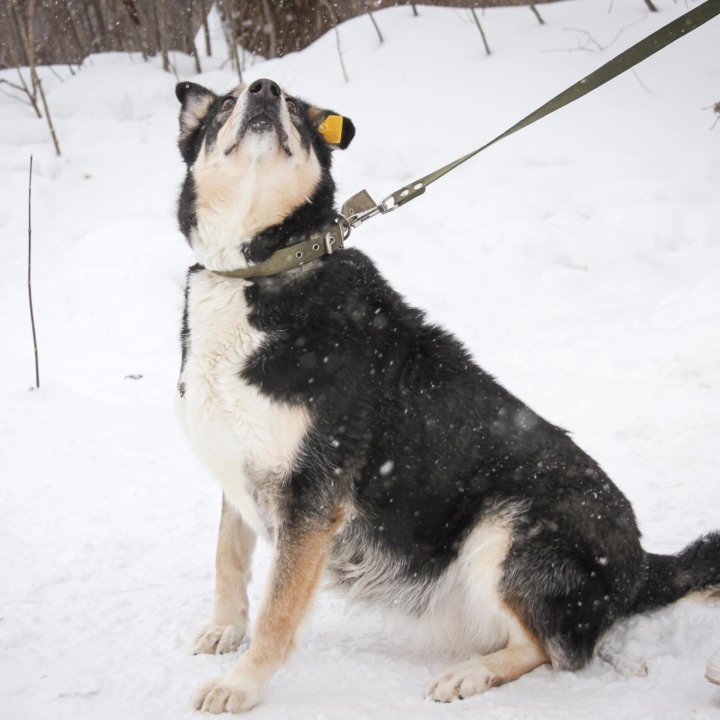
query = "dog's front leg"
{"x": 299, "y": 557}
{"x": 228, "y": 624}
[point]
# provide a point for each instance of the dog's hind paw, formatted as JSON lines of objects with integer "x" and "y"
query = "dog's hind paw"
{"x": 219, "y": 638}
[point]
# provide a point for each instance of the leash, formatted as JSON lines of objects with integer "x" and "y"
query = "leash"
{"x": 361, "y": 207}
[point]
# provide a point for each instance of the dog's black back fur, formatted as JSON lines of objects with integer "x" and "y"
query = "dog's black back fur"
{"x": 427, "y": 443}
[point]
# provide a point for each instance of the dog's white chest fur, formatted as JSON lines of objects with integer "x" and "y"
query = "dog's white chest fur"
{"x": 248, "y": 441}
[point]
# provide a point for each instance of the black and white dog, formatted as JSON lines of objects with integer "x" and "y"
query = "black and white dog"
{"x": 365, "y": 442}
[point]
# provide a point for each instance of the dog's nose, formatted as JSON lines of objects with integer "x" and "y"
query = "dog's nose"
{"x": 265, "y": 89}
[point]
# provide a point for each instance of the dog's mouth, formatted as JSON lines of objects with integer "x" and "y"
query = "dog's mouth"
{"x": 262, "y": 121}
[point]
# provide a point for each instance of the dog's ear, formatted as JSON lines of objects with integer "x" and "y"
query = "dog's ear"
{"x": 196, "y": 102}
{"x": 337, "y": 130}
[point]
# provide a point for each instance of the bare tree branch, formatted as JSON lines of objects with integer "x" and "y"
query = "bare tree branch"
{"x": 230, "y": 37}
{"x": 536, "y": 13}
{"x": 29, "y": 278}
{"x": 375, "y": 25}
{"x": 716, "y": 109}
{"x": 479, "y": 27}
{"x": 27, "y": 34}
{"x": 3, "y": 81}
{"x": 340, "y": 56}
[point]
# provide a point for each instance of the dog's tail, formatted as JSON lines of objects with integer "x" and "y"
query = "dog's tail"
{"x": 671, "y": 577}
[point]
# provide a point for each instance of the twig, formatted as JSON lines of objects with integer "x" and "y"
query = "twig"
{"x": 160, "y": 34}
{"x": 590, "y": 38}
{"x": 55, "y": 73}
{"x": 377, "y": 29}
{"x": 31, "y": 95}
{"x": 228, "y": 26}
{"x": 334, "y": 18}
{"x": 414, "y": 9}
{"x": 206, "y": 27}
{"x": 29, "y": 280}
{"x": 642, "y": 84}
{"x": 53, "y": 134}
{"x": 479, "y": 26}
{"x": 716, "y": 109}
{"x": 342, "y": 64}
{"x": 27, "y": 35}
{"x": 536, "y": 13}
{"x": 15, "y": 97}
{"x": 651, "y": 7}
{"x": 3, "y": 81}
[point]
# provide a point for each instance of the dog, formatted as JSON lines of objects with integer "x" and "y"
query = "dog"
{"x": 366, "y": 444}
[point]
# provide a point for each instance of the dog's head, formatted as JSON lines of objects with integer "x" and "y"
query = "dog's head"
{"x": 258, "y": 170}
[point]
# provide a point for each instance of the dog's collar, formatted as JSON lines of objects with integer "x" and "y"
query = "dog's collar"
{"x": 354, "y": 212}
{"x": 296, "y": 255}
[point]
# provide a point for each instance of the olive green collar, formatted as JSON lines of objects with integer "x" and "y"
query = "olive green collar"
{"x": 296, "y": 255}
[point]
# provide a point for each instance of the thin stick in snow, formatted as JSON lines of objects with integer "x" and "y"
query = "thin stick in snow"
{"x": 536, "y": 13}
{"x": 29, "y": 279}
{"x": 333, "y": 16}
{"x": 482, "y": 34}
{"x": 377, "y": 29}
{"x": 716, "y": 109}
{"x": 339, "y": 49}
{"x": 26, "y": 27}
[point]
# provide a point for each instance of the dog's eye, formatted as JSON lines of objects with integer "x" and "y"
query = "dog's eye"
{"x": 291, "y": 106}
{"x": 228, "y": 104}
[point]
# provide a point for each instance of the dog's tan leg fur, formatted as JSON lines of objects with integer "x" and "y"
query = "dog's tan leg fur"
{"x": 233, "y": 556}
{"x": 522, "y": 654}
{"x": 298, "y": 563}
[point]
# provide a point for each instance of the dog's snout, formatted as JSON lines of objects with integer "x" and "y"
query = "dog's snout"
{"x": 265, "y": 89}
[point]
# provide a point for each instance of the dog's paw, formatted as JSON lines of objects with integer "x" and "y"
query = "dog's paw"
{"x": 228, "y": 694}
{"x": 460, "y": 682}
{"x": 219, "y": 638}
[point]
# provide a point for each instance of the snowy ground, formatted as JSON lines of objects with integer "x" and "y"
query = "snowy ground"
{"x": 580, "y": 262}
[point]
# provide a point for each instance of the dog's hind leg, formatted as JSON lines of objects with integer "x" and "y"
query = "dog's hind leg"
{"x": 481, "y": 673}
{"x": 233, "y": 556}
{"x": 299, "y": 559}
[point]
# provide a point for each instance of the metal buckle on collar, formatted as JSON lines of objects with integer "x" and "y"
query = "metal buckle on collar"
{"x": 329, "y": 242}
{"x": 335, "y": 238}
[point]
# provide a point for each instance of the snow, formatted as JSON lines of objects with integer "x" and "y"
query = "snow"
{"x": 578, "y": 259}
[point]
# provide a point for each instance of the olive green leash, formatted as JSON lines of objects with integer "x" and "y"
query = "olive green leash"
{"x": 361, "y": 207}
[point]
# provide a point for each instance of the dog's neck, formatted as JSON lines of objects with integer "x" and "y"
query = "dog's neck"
{"x": 221, "y": 245}
{"x": 314, "y": 217}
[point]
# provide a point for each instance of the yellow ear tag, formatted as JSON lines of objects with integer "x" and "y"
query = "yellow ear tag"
{"x": 331, "y": 129}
